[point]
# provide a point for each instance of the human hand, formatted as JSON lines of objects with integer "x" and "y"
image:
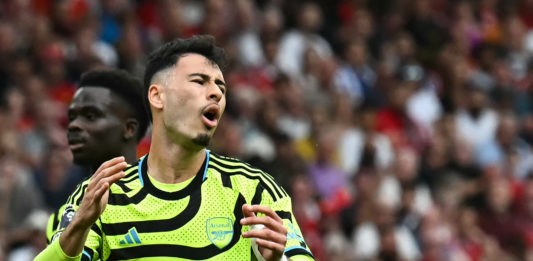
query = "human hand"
{"x": 271, "y": 239}
{"x": 97, "y": 193}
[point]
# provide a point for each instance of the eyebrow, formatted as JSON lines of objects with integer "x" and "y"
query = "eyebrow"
{"x": 206, "y": 77}
{"x": 84, "y": 108}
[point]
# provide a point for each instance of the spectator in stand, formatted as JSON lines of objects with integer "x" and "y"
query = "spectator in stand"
{"x": 363, "y": 188}
{"x": 499, "y": 219}
{"x": 356, "y": 78}
{"x": 357, "y": 137}
{"x": 507, "y": 149}
{"x": 248, "y": 40}
{"x": 476, "y": 122}
{"x": 427, "y": 31}
{"x": 517, "y": 55}
{"x": 394, "y": 120}
{"x": 293, "y": 119}
{"x": 294, "y": 42}
{"x": 330, "y": 182}
{"x": 36, "y": 226}
{"x": 45, "y": 134}
{"x": 423, "y": 106}
{"x": 130, "y": 48}
{"x": 19, "y": 194}
{"x": 286, "y": 164}
{"x": 319, "y": 119}
{"x": 405, "y": 176}
{"x": 307, "y": 212}
{"x": 437, "y": 239}
{"x": 57, "y": 178}
{"x": 526, "y": 214}
{"x": 382, "y": 238}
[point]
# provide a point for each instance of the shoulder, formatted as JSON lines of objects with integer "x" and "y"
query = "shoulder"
{"x": 130, "y": 181}
{"x": 123, "y": 185}
{"x": 242, "y": 175}
{"x": 232, "y": 166}
{"x": 229, "y": 161}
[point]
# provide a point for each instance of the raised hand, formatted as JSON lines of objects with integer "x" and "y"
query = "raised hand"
{"x": 97, "y": 193}
{"x": 271, "y": 239}
{"x": 92, "y": 205}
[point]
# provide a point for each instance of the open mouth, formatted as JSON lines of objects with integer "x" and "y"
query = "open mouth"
{"x": 210, "y": 116}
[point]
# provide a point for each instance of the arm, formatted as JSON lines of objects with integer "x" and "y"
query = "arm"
{"x": 54, "y": 252}
{"x": 72, "y": 239}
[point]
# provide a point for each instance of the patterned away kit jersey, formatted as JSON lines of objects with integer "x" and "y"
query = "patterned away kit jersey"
{"x": 145, "y": 220}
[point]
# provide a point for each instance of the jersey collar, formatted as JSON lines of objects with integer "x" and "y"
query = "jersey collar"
{"x": 197, "y": 181}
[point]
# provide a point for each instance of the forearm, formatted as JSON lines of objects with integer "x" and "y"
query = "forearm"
{"x": 69, "y": 245}
{"x": 73, "y": 239}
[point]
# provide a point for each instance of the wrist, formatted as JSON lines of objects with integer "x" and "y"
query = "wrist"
{"x": 72, "y": 239}
{"x": 76, "y": 223}
{"x": 255, "y": 247}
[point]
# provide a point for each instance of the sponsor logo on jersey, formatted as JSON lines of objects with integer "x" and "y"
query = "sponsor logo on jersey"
{"x": 67, "y": 217}
{"x": 130, "y": 238}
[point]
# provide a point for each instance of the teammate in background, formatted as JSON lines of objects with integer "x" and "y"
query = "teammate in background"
{"x": 181, "y": 201}
{"x": 107, "y": 119}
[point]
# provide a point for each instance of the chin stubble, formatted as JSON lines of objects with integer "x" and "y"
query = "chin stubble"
{"x": 202, "y": 140}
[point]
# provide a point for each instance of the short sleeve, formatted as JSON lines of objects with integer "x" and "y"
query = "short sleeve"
{"x": 296, "y": 247}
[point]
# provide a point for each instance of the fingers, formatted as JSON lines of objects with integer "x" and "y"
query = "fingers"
{"x": 108, "y": 176}
{"x": 108, "y": 164}
{"x": 104, "y": 184}
{"x": 250, "y": 210}
{"x": 267, "y": 232}
{"x": 274, "y": 230}
{"x": 273, "y": 245}
{"x": 247, "y": 211}
{"x": 108, "y": 169}
{"x": 267, "y": 221}
{"x": 93, "y": 202}
{"x": 267, "y": 235}
{"x": 273, "y": 223}
{"x": 270, "y": 219}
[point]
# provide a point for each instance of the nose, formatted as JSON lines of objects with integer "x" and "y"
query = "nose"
{"x": 74, "y": 125}
{"x": 215, "y": 93}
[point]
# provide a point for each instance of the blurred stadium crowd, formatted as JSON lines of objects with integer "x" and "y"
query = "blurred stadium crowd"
{"x": 403, "y": 129}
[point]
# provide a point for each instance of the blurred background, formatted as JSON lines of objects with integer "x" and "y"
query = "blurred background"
{"x": 402, "y": 129}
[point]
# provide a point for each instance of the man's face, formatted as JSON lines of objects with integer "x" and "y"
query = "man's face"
{"x": 95, "y": 129}
{"x": 193, "y": 100}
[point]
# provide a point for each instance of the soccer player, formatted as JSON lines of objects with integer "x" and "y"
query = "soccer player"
{"x": 181, "y": 202}
{"x": 107, "y": 119}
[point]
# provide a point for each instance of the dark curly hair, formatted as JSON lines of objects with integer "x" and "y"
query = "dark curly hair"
{"x": 124, "y": 85}
{"x": 168, "y": 55}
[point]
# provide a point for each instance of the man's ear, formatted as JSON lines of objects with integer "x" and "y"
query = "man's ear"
{"x": 156, "y": 96}
{"x": 131, "y": 129}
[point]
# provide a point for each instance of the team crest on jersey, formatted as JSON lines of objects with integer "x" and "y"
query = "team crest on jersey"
{"x": 220, "y": 231}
